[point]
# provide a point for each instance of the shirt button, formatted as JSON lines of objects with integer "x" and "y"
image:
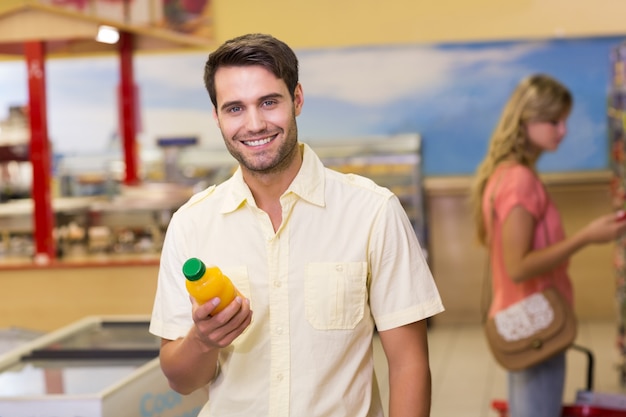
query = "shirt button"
{"x": 279, "y": 330}
{"x": 279, "y": 377}
{"x": 339, "y": 268}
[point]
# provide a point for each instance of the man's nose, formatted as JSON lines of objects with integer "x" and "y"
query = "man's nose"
{"x": 255, "y": 121}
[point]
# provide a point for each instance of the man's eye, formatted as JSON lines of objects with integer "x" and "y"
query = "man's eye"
{"x": 234, "y": 109}
{"x": 269, "y": 103}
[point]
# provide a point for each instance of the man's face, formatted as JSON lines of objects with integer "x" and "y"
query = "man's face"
{"x": 257, "y": 117}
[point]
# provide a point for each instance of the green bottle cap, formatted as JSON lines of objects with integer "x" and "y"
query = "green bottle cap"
{"x": 194, "y": 269}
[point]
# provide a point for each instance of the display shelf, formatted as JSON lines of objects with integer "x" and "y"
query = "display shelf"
{"x": 616, "y": 119}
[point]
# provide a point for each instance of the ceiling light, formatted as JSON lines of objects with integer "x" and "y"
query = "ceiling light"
{"x": 107, "y": 34}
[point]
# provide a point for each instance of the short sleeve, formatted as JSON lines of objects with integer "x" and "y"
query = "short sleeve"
{"x": 171, "y": 311}
{"x": 519, "y": 186}
{"x": 402, "y": 288}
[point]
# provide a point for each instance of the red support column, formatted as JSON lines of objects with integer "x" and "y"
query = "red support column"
{"x": 128, "y": 108}
{"x": 40, "y": 155}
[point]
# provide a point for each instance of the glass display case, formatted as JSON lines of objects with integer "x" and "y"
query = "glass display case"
{"x": 132, "y": 222}
{"x": 133, "y": 219}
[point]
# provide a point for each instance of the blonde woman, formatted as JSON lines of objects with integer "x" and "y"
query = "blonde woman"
{"x": 521, "y": 227}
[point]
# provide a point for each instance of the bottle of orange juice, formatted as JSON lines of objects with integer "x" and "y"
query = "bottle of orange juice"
{"x": 204, "y": 284}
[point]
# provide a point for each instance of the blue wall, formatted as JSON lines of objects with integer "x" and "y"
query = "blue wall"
{"x": 451, "y": 94}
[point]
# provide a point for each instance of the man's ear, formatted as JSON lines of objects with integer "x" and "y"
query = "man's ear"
{"x": 298, "y": 99}
{"x": 217, "y": 120}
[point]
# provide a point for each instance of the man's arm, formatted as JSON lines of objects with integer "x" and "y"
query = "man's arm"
{"x": 190, "y": 362}
{"x": 406, "y": 349}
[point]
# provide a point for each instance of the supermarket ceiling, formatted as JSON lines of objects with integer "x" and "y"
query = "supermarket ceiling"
{"x": 69, "y": 27}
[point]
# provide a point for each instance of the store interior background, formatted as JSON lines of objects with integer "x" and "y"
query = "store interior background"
{"x": 46, "y": 298}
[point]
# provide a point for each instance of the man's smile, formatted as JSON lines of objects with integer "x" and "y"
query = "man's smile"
{"x": 258, "y": 142}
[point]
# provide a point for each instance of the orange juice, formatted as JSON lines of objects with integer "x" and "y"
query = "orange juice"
{"x": 205, "y": 283}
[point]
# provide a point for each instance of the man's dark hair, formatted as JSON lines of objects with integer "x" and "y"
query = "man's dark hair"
{"x": 253, "y": 49}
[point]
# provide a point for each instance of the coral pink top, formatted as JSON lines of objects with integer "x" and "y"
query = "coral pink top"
{"x": 514, "y": 185}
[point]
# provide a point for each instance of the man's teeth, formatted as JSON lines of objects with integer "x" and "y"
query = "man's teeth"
{"x": 258, "y": 142}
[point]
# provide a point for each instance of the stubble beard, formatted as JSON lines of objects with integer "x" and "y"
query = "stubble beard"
{"x": 269, "y": 162}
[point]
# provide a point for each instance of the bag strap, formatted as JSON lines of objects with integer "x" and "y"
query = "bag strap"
{"x": 487, "y": 285}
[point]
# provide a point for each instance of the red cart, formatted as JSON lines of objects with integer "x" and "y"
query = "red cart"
{"x": 588, "y": 405}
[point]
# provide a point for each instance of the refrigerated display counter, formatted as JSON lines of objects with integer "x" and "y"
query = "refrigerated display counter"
{"x": 95, "y": 367}
{"x": 132, "y": 222}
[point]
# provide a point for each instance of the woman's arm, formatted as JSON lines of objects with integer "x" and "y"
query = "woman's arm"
{"x": 522, "y": 262}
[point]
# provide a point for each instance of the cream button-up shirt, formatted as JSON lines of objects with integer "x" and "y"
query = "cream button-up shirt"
{"x": 344, "y": 260}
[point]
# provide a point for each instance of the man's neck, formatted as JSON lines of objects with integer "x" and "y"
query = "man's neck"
{"x": 267, "y": 188}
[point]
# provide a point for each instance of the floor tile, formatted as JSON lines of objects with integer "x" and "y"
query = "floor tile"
{"x": 466, "y": 379}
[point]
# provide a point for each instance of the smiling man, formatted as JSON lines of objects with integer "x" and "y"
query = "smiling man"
{"x": 321, "y": 257}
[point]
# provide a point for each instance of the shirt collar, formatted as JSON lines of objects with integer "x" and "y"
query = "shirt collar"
{"x": 308, "y": 183}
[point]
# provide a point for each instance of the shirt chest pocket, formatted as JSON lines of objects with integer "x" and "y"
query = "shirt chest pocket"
{"x": 335, "y": 294}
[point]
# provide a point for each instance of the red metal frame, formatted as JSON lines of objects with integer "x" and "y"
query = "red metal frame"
{"x": 40, "y": 155}
{"x": 40, "y": 150}
{"x": 128, "y": 108}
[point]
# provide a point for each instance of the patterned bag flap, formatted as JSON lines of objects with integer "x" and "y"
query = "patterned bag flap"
{"x": 529, "y": 322}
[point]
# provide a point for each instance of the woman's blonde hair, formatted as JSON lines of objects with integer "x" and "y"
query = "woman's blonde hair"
{"x": 536, "y": 98}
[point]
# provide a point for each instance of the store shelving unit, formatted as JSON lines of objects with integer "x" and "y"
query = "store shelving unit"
{"x": 616, "y": 115}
